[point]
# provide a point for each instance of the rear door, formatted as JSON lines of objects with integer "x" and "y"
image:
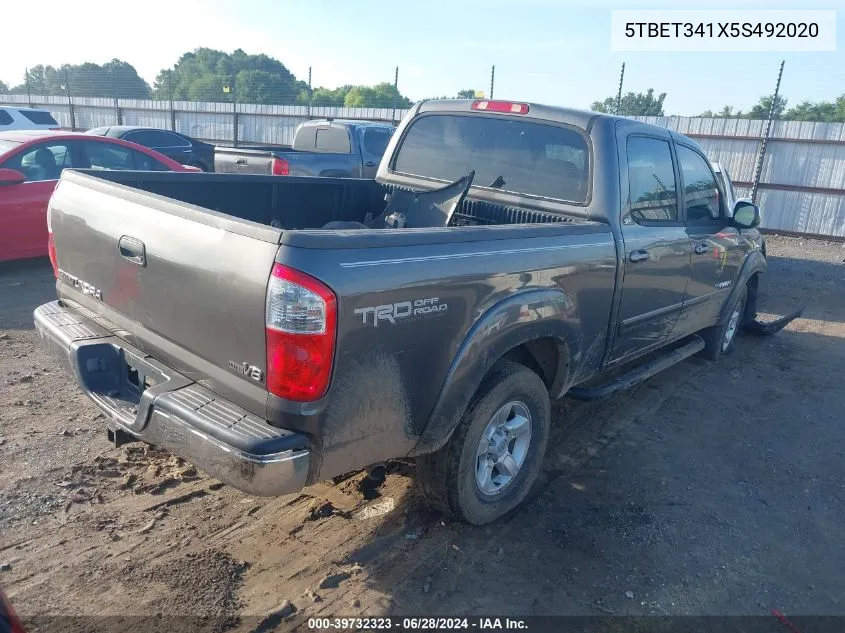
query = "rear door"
{"x": 23, "y": 207}
{"x": 373, "y": 142}
{"x": 717, "y": 247}
{"x": 657, "y": 247}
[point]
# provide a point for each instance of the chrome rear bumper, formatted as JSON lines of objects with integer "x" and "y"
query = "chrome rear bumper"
{"x": 153, "y": 403}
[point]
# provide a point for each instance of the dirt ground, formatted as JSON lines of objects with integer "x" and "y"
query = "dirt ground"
{"x": 713, "y": 488}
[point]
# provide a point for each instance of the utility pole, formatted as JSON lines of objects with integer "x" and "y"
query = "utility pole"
{"x": 619, "y": 92}
{"x": 759, "y": 170}
{"x": 492, "y": 79}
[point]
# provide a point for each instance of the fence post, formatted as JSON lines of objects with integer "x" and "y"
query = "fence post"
{"x": 117, "y": 113}
{"x": 619, "y": 93}
{"x": 768, "y": 129}
{"x": 70, "y": 101}
{"x": 395, "y": 93}
{"x": 310, "y": 95}
{"x": 28, "y": 92}
{"x": 170, "y": 96}
{"x": 234, "y": 113}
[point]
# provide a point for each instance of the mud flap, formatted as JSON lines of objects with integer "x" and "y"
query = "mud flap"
{"x": 760, "y": 328}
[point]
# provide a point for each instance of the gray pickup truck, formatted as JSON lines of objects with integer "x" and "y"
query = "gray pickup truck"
{"x": 229, "y": 319}
{"x": 326, "y": 148}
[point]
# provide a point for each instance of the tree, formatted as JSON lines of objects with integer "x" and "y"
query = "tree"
{"x": 3, "y": 87}
{"x": 831, "y": 111}
{"x": 727, "y": 112}
{"x": 466, "y": 94}
{"x": 113, "y": 79}
{"x": 203, "y": 74}
{"x": 761, "y": 110}
{"x": 633, "y": 104}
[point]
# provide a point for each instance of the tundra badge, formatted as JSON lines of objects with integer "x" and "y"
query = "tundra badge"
{"x": 82, "y": 286}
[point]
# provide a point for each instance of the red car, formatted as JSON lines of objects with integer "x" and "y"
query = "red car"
{"x": 31, "y": 162}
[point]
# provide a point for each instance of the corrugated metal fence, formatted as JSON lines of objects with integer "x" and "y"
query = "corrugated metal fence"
{"x": 802, "y": 186}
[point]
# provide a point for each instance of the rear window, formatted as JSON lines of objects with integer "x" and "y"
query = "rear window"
{"x": 518, "y": 156}
{"x": 5, "y": 118}
{"x": 332, "y": 140}
{"x": 39, "y": 117}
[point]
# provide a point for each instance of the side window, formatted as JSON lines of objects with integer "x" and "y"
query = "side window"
{"x": 375, "y": 140}
{"x": 159, "y": 138}
{"x": 701, "y": 193}
{"x": 147, "y": 163}
{"x": 109, "y": 156}
{"x": 651, "y": 180}
{"x": 5, "y": 118}
{"x": 334, "y": 140}
{"x": 146, "y": 138}
{"x": 42, "y": 162}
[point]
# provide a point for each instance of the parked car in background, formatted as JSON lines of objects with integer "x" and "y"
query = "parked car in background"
{"x": 14, "y": 118}
{"x": 30, "y": 165}
{"x": 183, "y": 149}
{"x": 329, "y": 148}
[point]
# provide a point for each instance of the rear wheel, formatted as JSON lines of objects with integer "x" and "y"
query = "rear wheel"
{"x": 719, "y": 340}
{"x": 489, "y": 464}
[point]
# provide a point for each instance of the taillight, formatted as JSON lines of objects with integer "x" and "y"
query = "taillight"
{"x": 301, "y": 317}
{"x": 281, "y": 167}
{"x": 51, "y": 250}
{"x": 500, "y": 106}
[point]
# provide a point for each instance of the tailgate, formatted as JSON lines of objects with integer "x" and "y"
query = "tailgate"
{"x": 242, "y": 161}
{"x": 181, "y": 283}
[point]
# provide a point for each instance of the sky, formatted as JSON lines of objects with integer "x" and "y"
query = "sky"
{"x": 546, "y": 51}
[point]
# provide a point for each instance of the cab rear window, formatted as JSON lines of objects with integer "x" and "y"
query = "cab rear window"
{"x": 507, "y": 154}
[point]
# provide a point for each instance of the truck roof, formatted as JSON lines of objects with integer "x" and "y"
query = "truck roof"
{"x": 347, "y": 123}
{"x": 583, "y": 119}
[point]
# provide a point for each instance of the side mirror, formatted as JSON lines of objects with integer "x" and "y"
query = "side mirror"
{"x": 11, "y": 177}
{"x": 746, "y": 214}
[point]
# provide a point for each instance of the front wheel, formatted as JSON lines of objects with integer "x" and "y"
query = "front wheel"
{"x": 719, "y": 340}
{"x": 489, "y": 464}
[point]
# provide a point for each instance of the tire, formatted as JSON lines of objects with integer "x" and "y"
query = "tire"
{"x": 510, "y": 392}
{"x": 720, "y": 339}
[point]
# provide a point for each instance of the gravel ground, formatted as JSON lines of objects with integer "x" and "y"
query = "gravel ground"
{"x": 713, "y": 488}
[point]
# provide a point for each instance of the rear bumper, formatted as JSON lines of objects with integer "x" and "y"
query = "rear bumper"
{"x": 158, "y": 405}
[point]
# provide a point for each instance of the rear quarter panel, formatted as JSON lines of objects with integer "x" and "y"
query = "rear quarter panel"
{"x": 407, "y": 307}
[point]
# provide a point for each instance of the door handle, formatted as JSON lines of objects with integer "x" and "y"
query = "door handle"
{"x": 133, "y": 250}
{"x": 369, "y": 163}
{"x": 638, "y": 255}
{"x": 701, "y": 247}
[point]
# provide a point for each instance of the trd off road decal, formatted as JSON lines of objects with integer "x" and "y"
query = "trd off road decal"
{"x": 394, "y": 313}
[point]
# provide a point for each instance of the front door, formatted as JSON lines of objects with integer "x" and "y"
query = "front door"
{"x": 23, "y": 207}
{"x": 717, "y": 247}
{"x": 657, "y": 250}
{"x": 373, "y": 141}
